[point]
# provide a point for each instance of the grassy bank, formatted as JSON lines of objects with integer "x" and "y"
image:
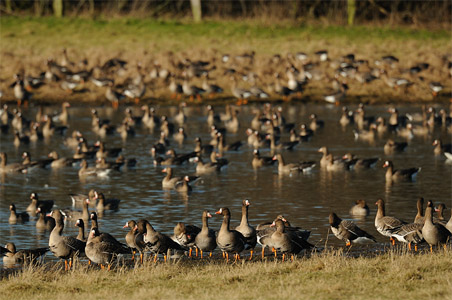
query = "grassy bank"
{"x": 322, "y": 276}
{"x": 27, "y": 42}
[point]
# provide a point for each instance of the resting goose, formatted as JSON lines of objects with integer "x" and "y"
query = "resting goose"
{"x": 348, "y": 231}
{"x": 229, "y": 241}
{"x": 12, "y": 256}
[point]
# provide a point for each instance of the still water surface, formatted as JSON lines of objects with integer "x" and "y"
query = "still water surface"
{"x": 305, "y": 199}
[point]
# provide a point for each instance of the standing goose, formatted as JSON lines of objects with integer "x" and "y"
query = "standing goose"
{"x": 81, "y": 230}
{"x": 284, "y": 242}
{"x": 131, "y": 235}
{"x": 102, "y": 251}
{"x": 229, "y": 241}
{"x": 419, "y": 218}
{"x": 245, "y": 229}
{"x": 65, "y": 247}
{"x": 348, "y": 231}
{"x": 409, "y": 233}
{"x": 402, "y": 174}
{"x": 15, "y": 217}
{"x": 434, "y": 234}
{"x": 13, "y": 256}
{"x": 185, "y": 235}
{"x": 384, "y": 224}
{"x": 105, "y": 236}
{"x": 205, "y": 239}
{"x": 159, "y": 243}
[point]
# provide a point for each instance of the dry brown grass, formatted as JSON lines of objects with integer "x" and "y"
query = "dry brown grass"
{"x": 330, "y": 275}
{"x": 27, "y": 43}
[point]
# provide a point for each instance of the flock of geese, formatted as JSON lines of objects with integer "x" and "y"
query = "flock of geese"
{"x": 243, "y": 76}
{"x": 266, "y": 130}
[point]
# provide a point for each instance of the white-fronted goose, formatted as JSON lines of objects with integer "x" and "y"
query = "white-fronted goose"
{"x": 10, "y": 168}
{"x": 284, "y": 242}
{"x": 348, "y": 231}
{"x": 86, "y": 171}
{"x": 79, "y": 199}
{"x": 159, "y": 243}
{"x": 105, "y": 236}
{"x": 106, "y": 204}
{"x": 206, "y": 168}
{"x": 385, "y": 224}
{"x": 81, "y": 230}
{"x": 102, "y": 251}
{"x": 169, "y": 182}
{"x": 59, "y": 162}
{"x": 46, "y": 205}
{"x": 202, "y": 149}
{"x": 15, "y": 217}
{"x": 104, "y": 152}
{"x": 402, "y": 174}
{"x": 245, "y": 229}
{"x": 410, "y": 234}
{"x": 265, "y": 230}
{"x": 205, "y": 240}
{"x": 185, "y": 235}
{"x": 260, "y": 161}
{"x": 392, "y": 147}
{"x": 183, "y": 186}
{"x": 360, "y": 209}
{"x": 44, "y": 222}
{"x": 419, "y": 218}
{"x": 25, "y": 255}
{"x": 356, "y": 163}
{"x": 324, "y": 161}
{"x": 229, "y": 241}
{"x": 75, "y": 214}
{"x": 440, "y": 213}
{"x": 434, "y": 234}
{"x": 65, "y": 247}
{"x": 441, "y": 148}
{"x": 131, "y": 235}
{"x": 315, "y": 123}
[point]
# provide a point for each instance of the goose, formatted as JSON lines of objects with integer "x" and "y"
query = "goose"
{"x": 131, "y": 236}
{"x": 348, "y": 231}
{"x": 12, "y": 256}
{"x": 65, "y": 247}
{"x": 248, "y": 232}
{"x": 159, "y": 243}
{"x": 284, "y": 242}
{"x": 410, "y": 234}
{"x": 185, "y": 235}
{"x": 434, "y": 234}
{"x": 402, "y": 174}
{"x": 44, "y": 222}
{"x": 260, "y": 161}
{"x": 392, "y": 147}
{"x": 229, "y": 241}
{"x": 205, "y": 240}
{"x": 356, "y": 163}
{"x": 15, "y": 217}
{"x": 385, "y": 224}
{"x": 360, "y": 209}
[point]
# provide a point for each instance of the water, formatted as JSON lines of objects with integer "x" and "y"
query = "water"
{"x": 304, "y": 199}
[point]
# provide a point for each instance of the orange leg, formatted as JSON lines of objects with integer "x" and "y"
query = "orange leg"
{"x": 409, "y": 246}
{"x": 263, "y": 252}
{"x": 196, "y": 252}
{"x": 274, "y": 250}
{"x": 109, "y": 267}
{"x": 392, "y": 240}
{"x": 198, "y": 97}
{"x": 191, "y": 98}
{"x": 283, "y": 256}
{"x": 227, "y": 257}
{"x": 65, "y": 265}
{"x": 431, "y": 249}
{"x": 115, "y": 104}
{"x": 251, "y": 254}
{"x": 210, "y": 254}
{"x": 292, "y": 257}
{"x": 164, "y": 258}
{"x": 415, "y": 247}
{"x": 223, "y": 254}
{"x": 141, "y": 258}
{"x": 155, "y": 257}
{"x": 189, "y": 252}
{"x": 200, "y": 251}
{"x": 137, "y": 100}
{"x": 348, "y": 244}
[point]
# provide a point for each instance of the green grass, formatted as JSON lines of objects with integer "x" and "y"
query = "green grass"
{"x": 48, "y": 33}
{"x": 332, "y": 275}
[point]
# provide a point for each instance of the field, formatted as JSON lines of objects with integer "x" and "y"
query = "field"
{"x": 329, "y": 275}
{"x": 28, "y": 42}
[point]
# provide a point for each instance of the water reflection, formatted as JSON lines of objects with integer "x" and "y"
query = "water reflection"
{"x": 305, "y": 199}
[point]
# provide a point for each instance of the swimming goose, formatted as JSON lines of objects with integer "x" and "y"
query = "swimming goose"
{"x": 392, "y": 147}
{"x": 79, "y": 199}
{"x": 360, "y": 209}
{"x": 260, "y": 161}
{"x": 36, "y": 202}
{"x": 15, "y": 217}
{"x": 385, "y": 224}
{"x": 205, "y": 240}
{"x": 356, "y": 163}
{"x": 10, "y": 168}
{"x": 106, "y": 204}
{"x": 44, "y": 222}
{"x": 441, "y": 148}
{"x": 248, "y": 232}
{"x": 348, "y": 231}
{"x": 402, "y": 174}
{"x": 229, "y": 241}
